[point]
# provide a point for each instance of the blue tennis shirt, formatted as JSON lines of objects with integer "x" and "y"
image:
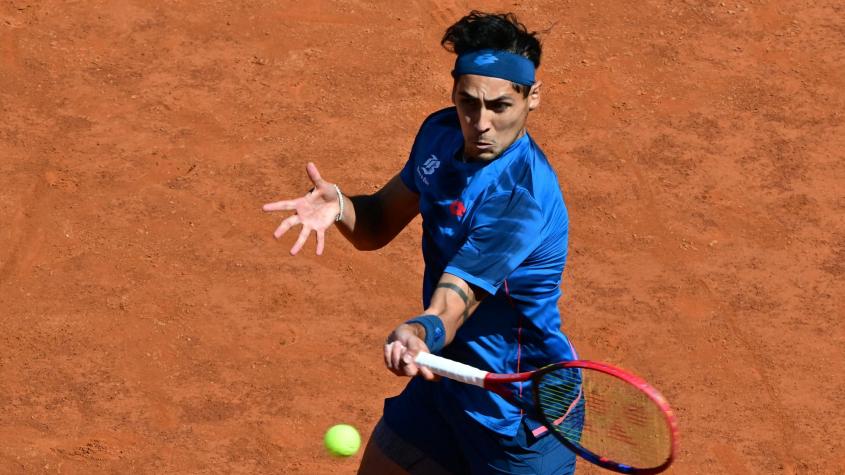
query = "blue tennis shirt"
{"x": 502, "y": 226}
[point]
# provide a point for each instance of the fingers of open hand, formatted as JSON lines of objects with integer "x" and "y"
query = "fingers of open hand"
{"x": 288, "y": 223}
{"x": 321, "y": 241}
{"x": 313, "y": 174}
{"x": 300, "y": 241}
{"x": 284, "y": 205}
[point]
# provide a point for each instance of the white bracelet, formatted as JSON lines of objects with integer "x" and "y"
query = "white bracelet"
{"x": 339, "y": 216}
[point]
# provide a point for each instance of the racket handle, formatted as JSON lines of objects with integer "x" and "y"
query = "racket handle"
{"x": 451, "y": 369}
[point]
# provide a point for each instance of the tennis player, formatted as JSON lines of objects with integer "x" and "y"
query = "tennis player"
{"x": 494, "y": 242}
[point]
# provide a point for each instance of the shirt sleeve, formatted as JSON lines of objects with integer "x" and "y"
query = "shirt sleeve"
{"x": 506, "y": 229}
{"x": 407, "y": 173}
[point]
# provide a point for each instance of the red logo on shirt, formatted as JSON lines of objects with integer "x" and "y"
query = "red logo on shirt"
{"x": 457, "y": 208}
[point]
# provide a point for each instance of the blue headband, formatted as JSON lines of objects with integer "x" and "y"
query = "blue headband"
{"x": 496, "y": 64}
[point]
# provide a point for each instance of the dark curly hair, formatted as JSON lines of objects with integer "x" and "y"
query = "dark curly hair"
{"x": 501, "y": 31}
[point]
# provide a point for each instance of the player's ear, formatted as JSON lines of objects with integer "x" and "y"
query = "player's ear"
{"x": 534, "y": 96}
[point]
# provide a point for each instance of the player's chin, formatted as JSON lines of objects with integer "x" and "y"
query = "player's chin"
{"x": 486, "y": 154}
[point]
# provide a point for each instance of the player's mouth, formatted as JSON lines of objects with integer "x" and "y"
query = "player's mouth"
{"x": 480, "y": 145}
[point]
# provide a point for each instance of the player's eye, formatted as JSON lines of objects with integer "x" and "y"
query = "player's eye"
{"x": 500, "y": 107}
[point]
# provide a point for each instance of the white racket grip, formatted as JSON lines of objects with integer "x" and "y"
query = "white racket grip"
{"x": 451, "y": 369}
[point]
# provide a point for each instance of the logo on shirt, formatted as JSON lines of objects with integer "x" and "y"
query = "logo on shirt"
{"x": 457, "y": 209}
{"x": 427, "y": 168}
{"x": 430, "y": 165}
{"x": 485, "y": 59}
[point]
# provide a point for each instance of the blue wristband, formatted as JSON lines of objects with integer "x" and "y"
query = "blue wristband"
{"x": 435, "y": 333}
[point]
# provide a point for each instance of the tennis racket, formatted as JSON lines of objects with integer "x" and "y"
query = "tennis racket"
{"x": 605, "y": 415}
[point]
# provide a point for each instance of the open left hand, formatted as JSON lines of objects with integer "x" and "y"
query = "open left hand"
{"x": 316, "y": 211}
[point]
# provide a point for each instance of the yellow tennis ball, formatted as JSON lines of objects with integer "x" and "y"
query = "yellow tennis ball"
{"x": 342, "y": 440}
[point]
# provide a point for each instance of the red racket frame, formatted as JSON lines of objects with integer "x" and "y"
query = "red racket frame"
{"x": 497, "y": 383}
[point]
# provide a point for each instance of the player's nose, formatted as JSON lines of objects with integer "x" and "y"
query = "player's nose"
{"x": 483, "y": 123}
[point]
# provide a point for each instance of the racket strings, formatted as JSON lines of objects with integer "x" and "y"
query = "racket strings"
{"x": 606, "y": 416}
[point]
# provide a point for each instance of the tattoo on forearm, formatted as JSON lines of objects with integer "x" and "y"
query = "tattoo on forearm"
{"x": 467, "y": 300}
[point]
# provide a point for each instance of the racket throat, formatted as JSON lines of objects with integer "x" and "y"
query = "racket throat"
{"x": 513, "y": 397}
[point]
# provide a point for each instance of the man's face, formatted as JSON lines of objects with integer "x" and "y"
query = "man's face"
{"x": 492, "y": 113}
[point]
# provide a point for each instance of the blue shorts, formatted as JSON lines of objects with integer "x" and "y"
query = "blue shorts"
{"x": 427, "y": 438}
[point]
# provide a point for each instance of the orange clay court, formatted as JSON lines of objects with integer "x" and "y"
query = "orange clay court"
{"x": 150, "y": 323}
